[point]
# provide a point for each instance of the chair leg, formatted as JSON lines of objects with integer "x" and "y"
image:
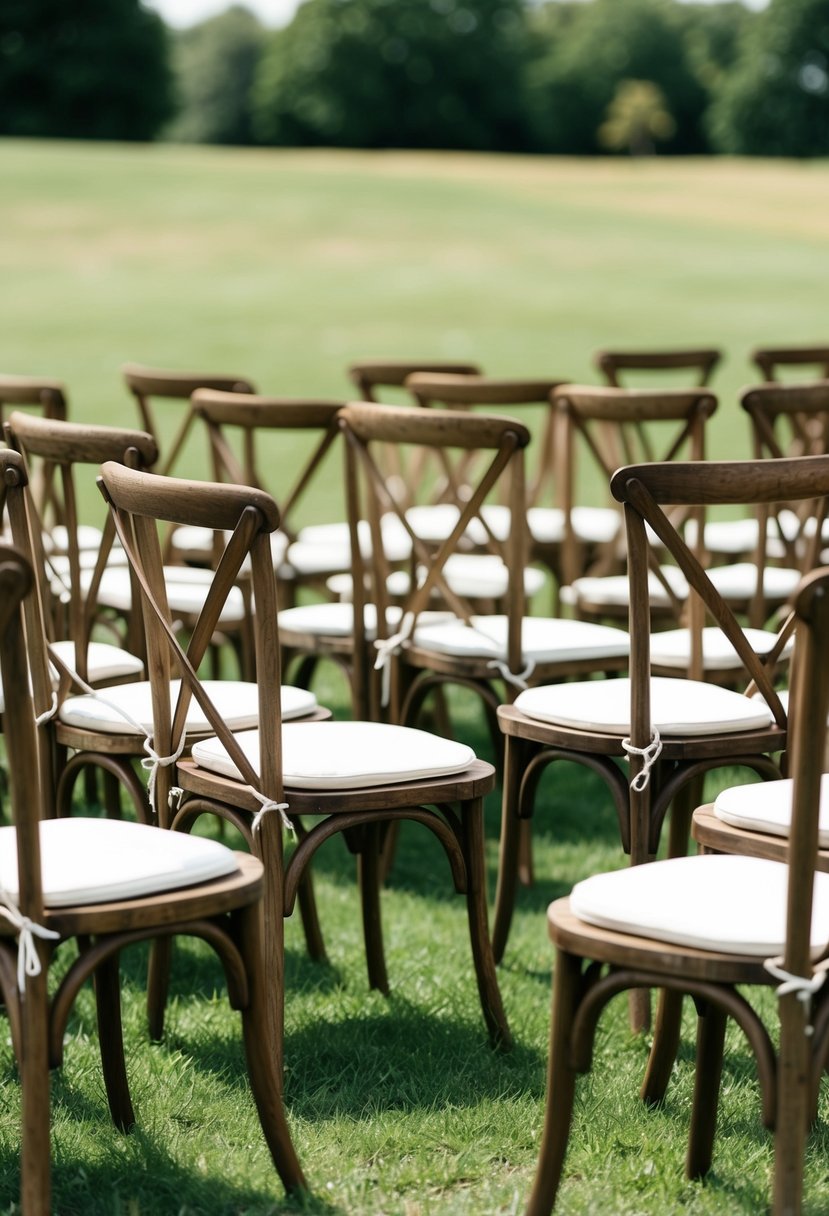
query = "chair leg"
{"x": 112, "y": 794}
{"x": 664, "y": 1047}
{"x": 476, "y": 906}
{"x": 793, "y": 1105}
{"x": 710, "y": 1039}
{"x": 264, "y": 1054}
{"x": 35, "y": 1171}
{"x": 525, "y": 853}
{"x": 111, "y": 1040}
{"x": 158, "y": 985}
{"x": 561, "y": 1087}
{"x": 509, "y": 849}
{"x": 369, "y": 874}
{"x": 310, "y": 918}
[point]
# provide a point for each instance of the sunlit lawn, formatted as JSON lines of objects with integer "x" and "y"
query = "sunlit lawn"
{"x": 284, "y": 267}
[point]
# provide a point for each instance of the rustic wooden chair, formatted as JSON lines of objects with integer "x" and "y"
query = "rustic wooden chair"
{"x": 356, "y": 776}
{"x": 106, "y": 885}
{"x": 149, "y": 384}
{"x": 704, "y": 925}
{"x": 703, "y": 362}
{"x": 698, "y": 725}
{"x": 416, "y": 654}
{"x": 811, "y": 360}
{"x": 48, "y": 397}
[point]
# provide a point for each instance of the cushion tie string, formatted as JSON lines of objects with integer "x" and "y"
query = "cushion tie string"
{"x": 804, "y": 987}
{"x": 152, "y": 762}
{"x": 28, "y": 959}
{"x": 49, "y": 713}
{"x": 518, "y": 679}
{"x": 650, "y": 755}
{"x": 386, "y": 649}
{"x": 268, "y": 805}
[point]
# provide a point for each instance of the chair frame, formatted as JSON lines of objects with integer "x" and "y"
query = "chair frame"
{"x": 768, "y": 359}
{"x": 702, "y": 360}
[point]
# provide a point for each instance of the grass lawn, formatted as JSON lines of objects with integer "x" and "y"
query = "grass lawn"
{"x": 283, "y": 267}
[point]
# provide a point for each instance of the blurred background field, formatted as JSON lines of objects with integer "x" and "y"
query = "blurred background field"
{"x": 284, "y": 265}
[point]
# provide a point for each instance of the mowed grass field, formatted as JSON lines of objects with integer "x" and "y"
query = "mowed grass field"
{"x": 284, "y": 267}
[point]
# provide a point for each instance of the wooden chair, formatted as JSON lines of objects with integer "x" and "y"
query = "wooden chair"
{"x": 49, "y": 398}
{"x": 697, "y": 725}
{"x": 357, "y": 777}
{"x": 418, "y": 654}
{"x": 108, "y": 885}
{"x": 371, "y": 376}
{"x": 770, "y": 360}
{"x": 704, "y": 925}
{"x": 702, "y": 361}
{"x": 148, "y": 384}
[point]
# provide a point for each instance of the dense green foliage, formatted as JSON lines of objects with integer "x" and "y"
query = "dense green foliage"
{"x": 396, "y": 73}
{"x": 215, "y": 64}
{"x": 776, "y": 103}
{"x": 97, "y": 70}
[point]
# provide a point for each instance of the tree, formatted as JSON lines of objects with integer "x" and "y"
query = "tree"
{"x": 582, "y": 52}
{"x": 636, "y": 117}
{"x": 776, "y": 102}
{"x": 215, "y": 64}
{"x": 93, "y": 70}
{"x": 396, "y": 73}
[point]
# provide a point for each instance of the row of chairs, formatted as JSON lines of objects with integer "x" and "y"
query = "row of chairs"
{"x": 365, "y": 428}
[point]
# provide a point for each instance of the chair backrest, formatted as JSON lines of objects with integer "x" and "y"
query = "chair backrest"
{"x": 372, "y": 375}
{"x": 48, "y": 397}
{"x": 608, "y": 427}
{"x": 252, "y": 418}
{"x": 647, "y": 493}
{"x": 788, "y": 419}
{"x": 66, "y": 445}
{"x": 811, "y": 360}
{"x": 501, "y": 443}
{"x": 149, "y": 384}
{"x": 143, "y": 503}
{"x": 468, "y": 392}
{"x": 701, "y": 361}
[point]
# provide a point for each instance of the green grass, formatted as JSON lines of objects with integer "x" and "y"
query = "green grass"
{"x": 284, "y": 266}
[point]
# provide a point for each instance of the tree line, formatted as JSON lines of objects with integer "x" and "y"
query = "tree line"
{"x": 566, "y": 76}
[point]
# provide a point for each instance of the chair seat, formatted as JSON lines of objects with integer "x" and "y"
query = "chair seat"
{"x": 103, "y": 661}
{"x": 673, "y": 647}
{"x": 678, "y": 707}
{"x": 92, "y": 861}
{"x": 187, "y": 588}
{"x": 613, "y": 590}
{"x": 767, "y": 807}
{"x": 87, "y": 536}
{"x": 543, "y": 639}
{"x": 476, "y": 575}
{"x": 236, "y": 701}
{"x": 728, "y": 904}
{"x": 739, "y": 581}
{"x": 337, "y": 620}
{"x": 192, "y": 539}
{"x": 595, "y": 525}
{"x": 345, "y": 755}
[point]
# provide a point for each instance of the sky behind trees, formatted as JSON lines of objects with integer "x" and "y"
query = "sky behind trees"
{"x": 271, "y": 12}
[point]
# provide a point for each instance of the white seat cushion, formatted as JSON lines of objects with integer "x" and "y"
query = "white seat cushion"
{"x": 103, "y": 661}
{"x": 678, "y": 707}
{"x": 346, "y": 755}
{"x": 193, "y": 539}
{"x": 739, "y": 581}
{"x": 397, "y": 544}
{"x": 732, "y": 905}
{"x": 543, "y": 639}
{"x": 187, "y": 588}
{"x": 673, "y": 647}
{"x": 613, "y": 590}
{"x": 433, "y": 523}
{"x": 337, "y": 620}
{"x": 88, "y": 538}
{"x": 91, "y": 861}
{"x": 595, "y": 525}
{"x": 474, "y": 575}
{"x": 236, "y": 701}
{"x": 767, "y": 807}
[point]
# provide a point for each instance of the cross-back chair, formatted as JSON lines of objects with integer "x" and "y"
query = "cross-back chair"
{"x": 707, "y": 926}
{"x": 478, "y": 651}
{"x": 356, "y": 776}
{"x": 612, "y": 363}
{"x": 48, "y": 397}
{"x": 694, "y": 724}
{"x": 107, "y": 885}
{"x": 773, "y": 362}
{"x": 153, "y": 384}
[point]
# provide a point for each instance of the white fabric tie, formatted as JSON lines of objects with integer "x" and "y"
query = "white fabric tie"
{"x": 803, "y": 986}
{"x": 518, "y": 679}
{"x": 28, "y": 959}
{"x": 650, "y": 754}
{"x": 386, "y": 649}
{"x": 269, "y": 805}
{"x": 152, "y": 762}
{"x": 49, "y": 713}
